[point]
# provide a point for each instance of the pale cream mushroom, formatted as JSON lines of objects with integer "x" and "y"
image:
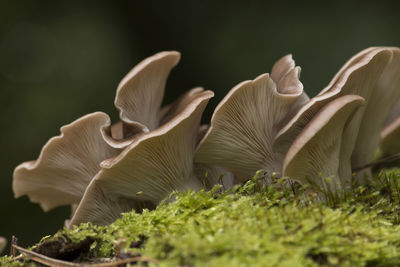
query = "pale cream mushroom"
{"x": 246, "y": 121}
{"x": 69, "y": 162}
{"x": 366, "y": 74}
{"x": 3, "y": 243}
{"x": 149, "y": 169}
{"x": 315, "y": 155}
{"x": 66, "y": 164}
{"x": 382, "y": 100}
{"x": 139, "y": 97}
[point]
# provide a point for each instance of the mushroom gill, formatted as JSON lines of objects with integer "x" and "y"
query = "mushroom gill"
{"x": 86, "y": 147}
{"x": 315, "y": 156}
{"x": 148, "y": 170}
{"x": 245, "y": 122}
{"x": 369, "y": 74}
{"x": 66, "y": 164}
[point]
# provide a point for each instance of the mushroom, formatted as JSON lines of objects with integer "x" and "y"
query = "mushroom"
{"x": 149, "y": 169}
{"x": 246, "y": 121}
{"x": 3, "y": 243}
{"x": 363, "y": 76}
{"x": 138, "y": 98}
{"x": 316, "y": 153}
{"x": 69, "y": 162}
{"x": 66, "y": 164}
{"x": 383, "y": 98}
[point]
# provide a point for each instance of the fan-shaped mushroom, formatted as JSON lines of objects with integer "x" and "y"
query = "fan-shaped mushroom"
{"x": 246, "y": 121}
{"x": 315, "y": 154}
{"x": 66, "y": 165}
{"x": 363, "y": 75}
{"x": 139, "y": 96}
{"x": 154, "y": 165}
{"x": 69, "y": 162}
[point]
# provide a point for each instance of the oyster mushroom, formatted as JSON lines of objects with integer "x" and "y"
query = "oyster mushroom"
{"x": 383, "y": 99}
{"x": 149, "y": 169}
{"x": 66, "y": 164}
{"x": 315, "y": 154}
{"x": 138, "y": 98}
{"x": 246, "y": 121}
{"x": 69, "y": 162}
{"x": 363, "y": 75}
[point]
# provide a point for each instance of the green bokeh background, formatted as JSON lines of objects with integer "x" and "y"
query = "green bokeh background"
{"x": 60, "y": 60}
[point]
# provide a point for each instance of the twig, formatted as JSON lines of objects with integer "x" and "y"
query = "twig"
{"x": 378, "y": 162}
{"x": 14, "y": 242}
{"x": 60, "y": 263}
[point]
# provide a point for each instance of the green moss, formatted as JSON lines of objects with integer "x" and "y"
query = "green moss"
{"x": 259, "y": 226}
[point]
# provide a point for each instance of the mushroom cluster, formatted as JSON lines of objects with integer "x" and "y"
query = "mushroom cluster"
{"x": 269, "y": 124}
{"x": 103, "y": 169}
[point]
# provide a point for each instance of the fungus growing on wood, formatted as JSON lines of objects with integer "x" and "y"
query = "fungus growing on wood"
{"x": 246, "y": 121}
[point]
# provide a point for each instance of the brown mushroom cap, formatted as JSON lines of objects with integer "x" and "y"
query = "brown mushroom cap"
{"x": 155, "y": 164}
{"x": 245, "y": 122}
{"x": 317, "y": 149}
{"x": 66, "y": 165}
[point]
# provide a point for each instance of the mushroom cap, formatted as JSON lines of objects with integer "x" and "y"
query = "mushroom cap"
{"x": 140, "y": 92}
{"x": 282, "y": 67}
{"x": 155, "y": 164}
{"x": 245, "y": 122}
{"x": 66, "y": 164}
{"x": 357, "y": 58}
{"x": 317, "y": 149}
{"x": 359, "y": 76}
{"x": 384, "y": 96}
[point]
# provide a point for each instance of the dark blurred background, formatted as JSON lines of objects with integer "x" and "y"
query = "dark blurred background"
{"x": 62, "y": 59}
